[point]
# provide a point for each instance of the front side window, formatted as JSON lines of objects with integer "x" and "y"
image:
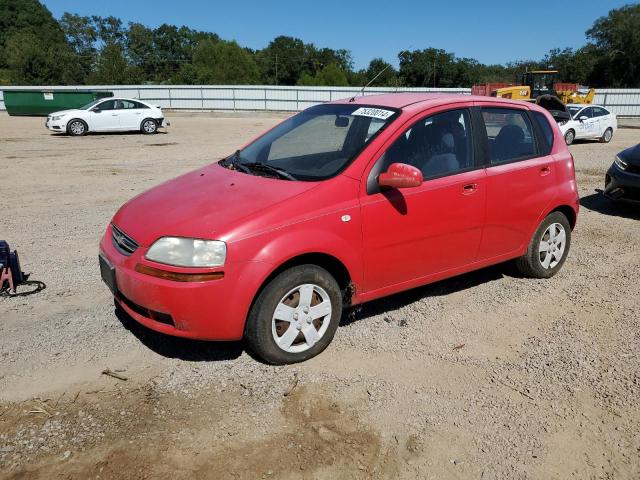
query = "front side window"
{"x": 316, "y": 143}
{"x": 108, "y": 105}
{"x": 509, "y": 134}
{"x": 587, "y": 112}
{"x": 438, "y": 145}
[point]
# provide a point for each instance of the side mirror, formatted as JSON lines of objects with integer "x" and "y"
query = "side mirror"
{"x": 583, "y": 118}
{"x": 96, "y": 110}
{"x": 400, "y": 175}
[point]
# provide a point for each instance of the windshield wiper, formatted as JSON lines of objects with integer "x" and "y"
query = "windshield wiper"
{"x": 234, "y": 162}
{"x": 268, "y": 168}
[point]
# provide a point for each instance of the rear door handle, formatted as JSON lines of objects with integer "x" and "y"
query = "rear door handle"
{"x": 469, "y": 188}
{"x": 546, "y": 170}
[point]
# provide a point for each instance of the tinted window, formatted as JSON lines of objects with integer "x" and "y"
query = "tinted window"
{"x": 108, "y": 105}
{"x": 547, "y": 132}
{"x": 509, "y": 133}
{"x": 587, "y": 112}
{"x": 599, "y": 112}
{"x": 437, "y": 145}
{"x": 127, "y": 104}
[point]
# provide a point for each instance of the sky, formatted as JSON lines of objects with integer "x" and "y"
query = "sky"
{"x": 489, "y": 31}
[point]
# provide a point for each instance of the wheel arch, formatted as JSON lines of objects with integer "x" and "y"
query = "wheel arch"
{"x": 330, "y": 263}
{"x": 568, "y": 212}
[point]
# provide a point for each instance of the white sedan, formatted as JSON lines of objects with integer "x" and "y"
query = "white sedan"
{"x": 108, "y": 115}
{"x": 589, "y": 121}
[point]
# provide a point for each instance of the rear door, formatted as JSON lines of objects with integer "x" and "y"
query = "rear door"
{"x": 520, "y": 179}
{"x": 130, "y": 114}
{"x": 412, "y": 233}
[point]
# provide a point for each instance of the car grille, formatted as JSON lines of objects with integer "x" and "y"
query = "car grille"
{"x": 123, "y": 242}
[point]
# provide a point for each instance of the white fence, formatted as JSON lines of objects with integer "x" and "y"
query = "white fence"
{"x": 623, "y": 102}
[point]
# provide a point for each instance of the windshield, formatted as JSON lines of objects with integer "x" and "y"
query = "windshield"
{"x": 574, "y": 111}
{"x": 316, "y": 143}
{"x": 91, "y": 104}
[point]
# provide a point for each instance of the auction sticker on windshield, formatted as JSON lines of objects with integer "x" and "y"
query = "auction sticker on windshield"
{"x": 373, "y": 112}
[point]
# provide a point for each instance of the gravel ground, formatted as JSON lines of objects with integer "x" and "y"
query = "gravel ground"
{"x": 487, "y": 375}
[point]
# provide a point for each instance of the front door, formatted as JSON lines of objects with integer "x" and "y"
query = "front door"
{"x": 104, "y": 117}
{"x": 589, "y": 127}
{"x": 412, "y": 233}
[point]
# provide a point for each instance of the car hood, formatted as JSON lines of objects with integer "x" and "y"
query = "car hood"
{"x": 206, "y": 203}
{"x": 631, "y": 155}
{"x": 67, "y": 112}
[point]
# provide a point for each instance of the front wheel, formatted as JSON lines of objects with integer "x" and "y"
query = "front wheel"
{"x": 548, "y": 249}
{"x": 149, "y": 126}
{"x": 569, "y": 137}
{"x": 295, "y": 316}
{"x": 77, "y": 127}
{"x": 607, "y": 136}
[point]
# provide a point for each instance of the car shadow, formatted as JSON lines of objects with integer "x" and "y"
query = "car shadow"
{"x": 180, "y": 348}
{"x": 437, "y": 289}
{"x": 601, "y": 204}
{"x": 208, "y": 351}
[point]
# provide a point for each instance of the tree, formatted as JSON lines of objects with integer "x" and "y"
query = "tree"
{"x": 112, "y": 68}
{"x": 223, "y": 63}
{"x": 387, "y": 76}
{"x": 616, "y": 38}
{"x": 33, "y": 48}
{"x": 282, "y": 61}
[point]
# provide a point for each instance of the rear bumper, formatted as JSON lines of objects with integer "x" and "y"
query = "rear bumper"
{"x": 209, "y": 310}
{"x": 622, "y": 185}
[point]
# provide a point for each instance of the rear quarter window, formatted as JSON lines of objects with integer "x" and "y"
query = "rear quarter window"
{"x": 546, "y": 131}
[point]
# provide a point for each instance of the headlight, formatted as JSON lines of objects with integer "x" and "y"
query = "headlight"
{"x": 188, "y": 252}
{"x": 57, "y": 118}
{"x": 622, "y": 165}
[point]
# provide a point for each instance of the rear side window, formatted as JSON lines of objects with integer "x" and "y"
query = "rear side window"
{"x": 509, "y": 135}
{"x": 599, "y": 112}
{"x": 546, "y": 131}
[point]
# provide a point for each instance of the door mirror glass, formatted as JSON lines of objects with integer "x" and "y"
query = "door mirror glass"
{"x": 400, "y": 175}
{"x": 96, "y": 110}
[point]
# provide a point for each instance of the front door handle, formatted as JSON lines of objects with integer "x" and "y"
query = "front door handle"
{"x": 469, "y": 188}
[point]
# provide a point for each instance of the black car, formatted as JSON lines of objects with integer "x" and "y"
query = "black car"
{"x": 622, "y": 181}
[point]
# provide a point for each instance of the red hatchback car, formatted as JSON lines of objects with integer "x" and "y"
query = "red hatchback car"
{"x": 340, "y": 204}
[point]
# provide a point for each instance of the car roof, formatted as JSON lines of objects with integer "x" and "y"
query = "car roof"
{"x": 421, "y": 99}
{"x": 581, "y": 105}
{"x": 124, "y": 98}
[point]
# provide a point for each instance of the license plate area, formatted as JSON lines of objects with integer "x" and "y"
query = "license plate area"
{"x": 108, "y": 274}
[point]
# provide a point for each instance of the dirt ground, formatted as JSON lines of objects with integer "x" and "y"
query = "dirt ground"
{"x": 484, "y": 376}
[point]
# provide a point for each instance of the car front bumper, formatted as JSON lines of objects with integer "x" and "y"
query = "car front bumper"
{"x": 622, "y": 185}
{"x": 56, "y": 126}
{"x": 207, "y": 310}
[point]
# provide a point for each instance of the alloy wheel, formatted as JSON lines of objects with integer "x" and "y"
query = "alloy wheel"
{"x": 301, "y": 318}
{"x": 552, "y": 245}
{"x": 77, "y": 128}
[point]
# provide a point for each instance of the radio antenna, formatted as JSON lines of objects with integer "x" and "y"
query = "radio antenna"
{"x": 352, "y": 99}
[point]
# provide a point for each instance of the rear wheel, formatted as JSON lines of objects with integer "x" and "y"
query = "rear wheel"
{"x": 548, "y": 249}
{"x": 77, "y": 127}
{"x": 149, "y": 126}
{"x": 295, "y": 316}
{"x": 607, "y": 136}
{"x": 569, "y": 137}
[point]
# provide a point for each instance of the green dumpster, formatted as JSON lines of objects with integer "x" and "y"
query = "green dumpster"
{"x": 43, "y": 102}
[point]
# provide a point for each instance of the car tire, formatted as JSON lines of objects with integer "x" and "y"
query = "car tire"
{"x": 149, "y": 126}
{"x": 281, "y": 323}
{"x": 569, "y": 137}
{"x": 77, "y": 127}
{"x": 548, "y": 248}
{"x": 607, "y": 136}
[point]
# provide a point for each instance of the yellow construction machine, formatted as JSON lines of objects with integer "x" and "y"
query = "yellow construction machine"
{"x": 537, "y": 83}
